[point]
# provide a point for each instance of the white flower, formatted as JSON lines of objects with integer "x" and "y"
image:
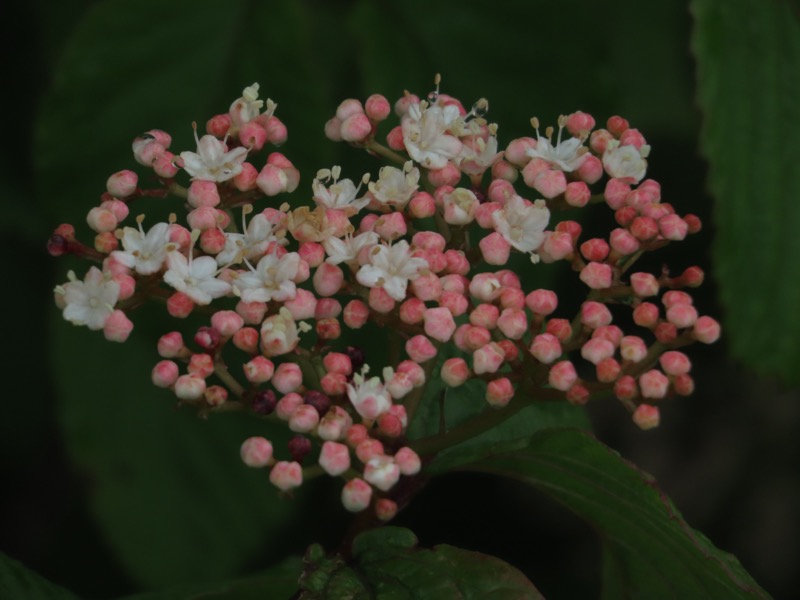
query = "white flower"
{"x": 522, "y": 224}
{"x": 279, "y": 333}
{"x": 625, "y": 162}
{"x": 144, "y": 252}
{"x": 212, "y": 161}
{"x": 566, "y": 156}
{"x": 460, "y": 206}
{"x": 368, "y": 396}
{"x": 248, "y": 107}
{"x": 250, "y": 245}
{"x": 91, "y": 301}
{"x": 195, "y": 277}
{"x": 478, "y": 156}
{"x": 272, "y": 279}
{"x": 391, "y": 267}
{"x": 425, "y": 134}
{"x": 395, "y": 186}
{"x": 340, "y": 195}
{"x": 345, "y": 250}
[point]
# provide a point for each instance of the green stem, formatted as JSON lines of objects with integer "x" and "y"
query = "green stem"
{"x": 388, "y": 153}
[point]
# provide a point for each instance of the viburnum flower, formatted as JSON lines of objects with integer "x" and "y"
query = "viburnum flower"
{"x": 91, "y": 301}
{"x": 258, "y": 234}
{"x": 522, "y": 224}
{"x": 248, "y": 107}
{"x": 345, "y": 250}
{"x": 479, "y": 155}
{"x": 195, "y": 277}
{"x": 566, "y": 156}
{"x": 279, "y": 333}
{"x": 213, "y": 161}
{"x": 394, "y": 186}
{"x": 368, "y": 396}
{"x": 391, "y": 267}
{"x": 625, "y": 162}
{"x": 425, "y": 134}
{"x": 144, "y": 252}
{"x": 340, "y": 195}
{"x": 272, "y": 279}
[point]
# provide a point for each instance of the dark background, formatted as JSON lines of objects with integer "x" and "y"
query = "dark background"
{"x": 728, "y": 455}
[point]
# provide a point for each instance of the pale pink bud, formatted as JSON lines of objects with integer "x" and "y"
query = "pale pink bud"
{"x": 632, "y": 348}
{"x": 302, "y": 306}
{"x": 682, "y": 315}
{"x": 203, "y": 193}
{"x": 533, "y": 169}
{"x": 277, "y": 133}
{"x": 616, "y": 193}
{"x": 179, "y": 305}
{"x": 542, "y": 302}
{"x": 597, "y": 275}
{"x": 454, "y": 371}
{"x": 595, "y": 249}
{"x": 412, "y": 311}
{"x": 407, "y": 461}
{"x": 304, "y": 419}
{"x": 382, "y": 472}
{"x": 420, "y": 349}
{"x": 122, "y": 184}
{"x": 625, "y": 216}
{"x": 654, "y": 384}
{"x": 625, "y": 388}
{"x": 106, "y": 242}
{"x": 391, "y": 227}
{"x": 287, "y": 377}
{"x": 577, "y": 194}
{"x": 487, "y": 359}
{"x": 348, "y": 108}
{"x": 355, "y": 128}
{"x": 485, "y": 315}
{"x": 645, "y": 315}
{"x": 287, "y": 405}
{"x": 333, "y": 128}
{"x": 578, "y": 395}
{"x": 334, "y": 458}
{"x": 597, "y": 349}
{"x": 227, "y": 322}
{"x": 355, "y": 314}
{"x": 377, "y": 107}
{"x": 399, "y": 385}
{"x": 394, "y": 139}
{"x": 286, "y": 475}
{"x": 334, "y": 384}
{"x": 485, "y": 287}
{"x": 101, "y": 220}
{"x": 562, "y": 375}
{"x": 495, "y": 249}
{"x": 546, "y": 348}
{"x": 328, "y": 329}
{"x": 170, "y": 345}
{"x": 164, "y": 374}
{"x": 608, "y": 370}
{"x": 550, "y": 183}
{"x": 595, "y": 314}
{"x": 212, "y": 241}
{"x": 472, "y": 337}
{"x": 513, "y": 323}
{"x": 612, "y": 333}
{"x": 580, "y": 123}
{"x": 673, "y": 297}
{"x": 202, "y": 218}
{"x": 259, "y": 369}
{"x": 380, "y": 301}
{"x": 560, "y": 328}
{"x": 675, "y": 363}
{"x": 256, "y": 452}
{"x": 644, "y": 228}
{"x": 413, "y": 370}
{"x": 190, "y": 387}
{"x": 164, "y": 165}
{"x": 201, "y": 364}
{"x": 439, "y": 324}
{"x": 253, "y": 135}
{"x": 644, "y": 284}
{"x": 328, "y": 279}
{"x": 356, "y": 495}
{"x": 246, "y": 179}
{"x": 367, "y": 448}
{"x": 456, "y": 303}
{"x": 355, "y": 435}
{"x": 427, "y": 287}
{"x": 421, "y": 206}
{"x": 557, "y": 245}
{"x": 646, "y": 416}
{"x": 623, "y": 242}
{"x": 665, "y": 332}
{"x": 516, "y": 152}
{"x": 118, "y": 208}
{"x": 499, "y": 392}
{"x": 312, "y": 252}
{"x": 117, "y": 327}
{"x": 672, "y": 227}
{"x": 457, "y": 262}
{"x": 337, "y": 362}
{"x": 706, "y": 330}
{"x": 246, "y": 339}
{"x": 272, "y": 180}
{"x": 683, "y": 384}
{"x": 447, "y": 175}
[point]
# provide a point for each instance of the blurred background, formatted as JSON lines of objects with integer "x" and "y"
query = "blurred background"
{"x": 110, "y": 490}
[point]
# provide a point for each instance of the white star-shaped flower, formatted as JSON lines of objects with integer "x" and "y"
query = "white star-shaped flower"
{"x": 566, "y": 156}
{"x": 91, "y": 301}
{"x": 425, "y": 134}
{"x": 345, "y": 250}
{"x": 144, "y": 252}
{"x": 272, "y": 279}
{"x": 391, "y": 267}
{"x": 340, "y": 195}
{"x": 625, "y": 162}
{"x": 195, "y": 277}
{"x": 213, "y": 161}
{"x": 395, "y": 186}
{"x": 368, "y": 396}
{"x": 522, "y": 224}
{"x": 252, "y": 244}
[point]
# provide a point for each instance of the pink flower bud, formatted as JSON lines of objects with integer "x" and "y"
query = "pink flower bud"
{"x": 456, "y": 303}
{"x": 201, "y": 364}
{"x": 380, "y": 301}
{"x": 485, "y": 287}
{"x": 454, "y": 371}
{"x": 485, "y": 315}
{"x": 286, "y": 475}
{"x": 546, "y": 348}
{"x": 427, "y": 287}
{"x": 439, "y": 324}
{"x": 227, "y": 322}
{"x": 356, "y": 495}
{"x": 447, "y": 175}
{"x": 304, "y": 419}
{"x": 420, "y": 349}
{"x": 495, "y": 249}
{"x": 590, "y": 171}
{"x": 654, "y": 384}
{"x": 597, "y": 275}
{"x": 499, "y": 392}
{"x": 625, "y": 388}
{"x": 337, "y": 362}
{"x": 117, "y": 327}
{"x": 164, "y": 374}
{"x": 550, "y": 183}
{"x": 190, "y": 387}
{"x": 355, "y": 128}
{"x": 302, "y": 306}
{"x": 389, "y": 425}
{"x": 665, "y": 332}
{"x": 253, "y": 135}
{"x": 413, "y": 370}
{"x": 542, "y": 302}
{"x": 557, "y": 245}
{"x": 560, "y": 328}
{"x": 287, "y": 377}
{"x": 246, "y": 340}
{"x": 348, "y": 108}
{"x": 421, "y": 206}
{"x": 276, "y": 131}
{"x": 597, "y": 349}
{"x": 644, "y": 228}
{"x": 407, "y": 461}
{"x": 377, "y": 107}
{"x": 334, "y": 458}
{"x": 644, "y": 284}
{"x": 203, "y": 193}
{"x": 287, "y": 405}
{"x": 646, "y": 416}
{"x": 706, "y": 330}
{"x": 101, "y": 220}
{"x": 171, "y": 345}
{"x": 246, "y": 180}
{"x": 608, "y": 370}
{"x": 562, "y": 375}
{"x": 580, "y": 123}
{"x": 258, "y": 370}
{"x": 595, "y": 249}
{"x": 328, "y": 279}
{"x": 632, "y": 348}
{"x": 368, "y": 448}
{"x": 487, "y": 359}
{"x": 578, "y": 395}
{"x": 252, "y": 312}
{"x": 516, "y": 152}
{"x": 256, "y": 452}
{"x": 683, "y": 384}
{"x": 645, "y": 315}
{"x": 682, "y": 315}
{"x": 122, "y": 184}
{"x": 513, "y": 323}
{"x": 382, "y": 472}
{"x": 675, "y": 363}
{"x": 595, "y": 314}
{"x": 672, "y": 227}
{"x": 693, "y": 222}
{"x": 457, "y": 262}
{"x": 334, "y": 384}
{"x": 355, "y": 314}
{"x": 328, "y": 329}
{"x": 616, "y": 192}
{"x": 623, "y": 242}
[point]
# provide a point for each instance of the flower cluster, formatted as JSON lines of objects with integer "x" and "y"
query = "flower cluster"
{"x": 437, "y": 248}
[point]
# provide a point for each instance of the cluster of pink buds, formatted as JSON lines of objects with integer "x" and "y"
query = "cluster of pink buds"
{"x": 427, "y": 248}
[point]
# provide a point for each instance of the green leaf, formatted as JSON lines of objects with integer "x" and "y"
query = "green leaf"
{"x": 279, "y": 581}
{"x": 387, "y": 564}
{"x": 748, "y": 60}
{"x": 16, "y": 581}
{"x": 650, "y": 551}
{"x": 169, "y": 490}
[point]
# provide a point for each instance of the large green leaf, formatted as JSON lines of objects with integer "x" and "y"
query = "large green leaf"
{"x": 650, "y": 551}
{"x": 387, "y": 564}
{"x": 748, "y": 60}
{"x": 16, "y": 581}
